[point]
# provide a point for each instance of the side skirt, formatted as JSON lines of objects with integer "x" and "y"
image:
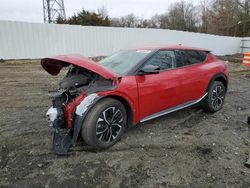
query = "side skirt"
{"x": 173, "y": 109}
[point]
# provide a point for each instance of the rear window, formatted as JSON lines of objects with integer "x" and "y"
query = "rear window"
{"x": 189, "y": 57}
{"x": 203, "y": 55}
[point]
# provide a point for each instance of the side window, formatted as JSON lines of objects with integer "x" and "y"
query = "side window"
{"x": 193, "y": 57}
{"x": 189, "y": 57}
{"x": 181, "y": 58}
{"x": 203, "y": 55}
{"x": 164, "y": 59}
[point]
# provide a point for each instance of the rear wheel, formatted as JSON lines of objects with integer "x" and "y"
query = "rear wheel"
{"x": 104, "y": 124}
{"x": 215, "y": 99}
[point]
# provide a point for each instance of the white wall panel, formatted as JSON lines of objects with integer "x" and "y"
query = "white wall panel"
{"x": 20, "y": 40}
{"x": 245, "y": 47}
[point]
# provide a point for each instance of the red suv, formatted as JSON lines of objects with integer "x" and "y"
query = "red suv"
{"x": 99, "y": 100}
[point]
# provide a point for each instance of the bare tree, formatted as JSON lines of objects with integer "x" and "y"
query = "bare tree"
{"x": 155, "y": 21}
{"x": 243, "y": 25}
{"x": 182, "y": 16}
{"x": 225, "y": 16}
{"x": 221, "y": 17}
{"x": 164, "y": 21}
{"x": 143, "y": 23}
{"x": 103, "y": 12}
{"x": 205, "y": 15}
{"x": 129, "y": 20}
{"x": 115, "y": 22}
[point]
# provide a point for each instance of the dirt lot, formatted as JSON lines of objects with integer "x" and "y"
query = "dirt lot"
{"x": 189, "y": 148}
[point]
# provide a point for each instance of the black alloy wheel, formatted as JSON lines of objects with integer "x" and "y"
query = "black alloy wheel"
{"x": 104, "y": 124}
{"x": 109, "y": 124}
{"x": 215, "y": 98}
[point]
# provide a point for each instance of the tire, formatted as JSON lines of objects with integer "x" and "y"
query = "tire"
{"x": 107, "y": 116}
{"x": 216, "y": 96}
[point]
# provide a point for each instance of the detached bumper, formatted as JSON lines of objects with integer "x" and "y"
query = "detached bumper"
{"x": 63, "y": 137}
{"x": 62, "y": 141}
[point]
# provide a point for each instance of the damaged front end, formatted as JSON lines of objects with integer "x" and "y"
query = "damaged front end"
{"x": 77, "y": 93}
{"x": 66, "y": 123}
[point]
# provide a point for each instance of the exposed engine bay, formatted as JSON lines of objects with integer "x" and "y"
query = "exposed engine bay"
{"x": 77, "y": 77}
{"x": 78, "y": 85}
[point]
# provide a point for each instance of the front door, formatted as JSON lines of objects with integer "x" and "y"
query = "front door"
{"x": 158, "y": 92}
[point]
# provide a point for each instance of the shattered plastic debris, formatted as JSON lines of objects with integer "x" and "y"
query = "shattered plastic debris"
{"x": 247, "y": 163}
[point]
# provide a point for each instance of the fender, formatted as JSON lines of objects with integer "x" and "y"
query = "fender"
{"x": 133, "y": 105}
{"x": 81, "y": 111}
{"x": 216, "y": 76}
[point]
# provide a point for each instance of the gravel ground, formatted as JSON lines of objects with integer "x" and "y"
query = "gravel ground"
{"x": 189, "y": 148}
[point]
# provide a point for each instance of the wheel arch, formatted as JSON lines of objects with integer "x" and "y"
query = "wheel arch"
{"x": 221, "y": 77}
{"x": 81, "y": 115}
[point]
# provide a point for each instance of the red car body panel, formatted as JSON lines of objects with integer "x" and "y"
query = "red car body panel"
{"x": 127, "y": 89}
{"x": 155, "y": 95}
{"x": 196, "y": 78}
{"x": 149, "y": 94}
{"x": 71, "y": 108}
{"x": 53, "y": 65}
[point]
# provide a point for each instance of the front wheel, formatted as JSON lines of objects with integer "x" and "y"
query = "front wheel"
{"x": 104, "y": 124}
{"x": 216, "y": 96}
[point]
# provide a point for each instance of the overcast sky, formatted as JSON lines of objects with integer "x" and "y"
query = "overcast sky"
{"x": 32, "y": 10}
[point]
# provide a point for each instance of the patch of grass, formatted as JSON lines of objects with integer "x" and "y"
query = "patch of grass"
{"x": 241, "y": 72}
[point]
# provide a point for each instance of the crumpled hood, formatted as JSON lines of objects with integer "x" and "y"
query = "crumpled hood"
{"x": 53, "y": 65}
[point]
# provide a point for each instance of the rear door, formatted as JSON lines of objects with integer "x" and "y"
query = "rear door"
{"x": 158, "y": 92}
{"x": 191, "y": 71}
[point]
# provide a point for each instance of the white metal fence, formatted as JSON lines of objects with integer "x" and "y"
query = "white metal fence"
{"x": 20, "y": 40}
{"x": 245, "y": 45}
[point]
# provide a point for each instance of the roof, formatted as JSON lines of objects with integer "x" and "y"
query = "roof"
{"x": 170, "y": 47}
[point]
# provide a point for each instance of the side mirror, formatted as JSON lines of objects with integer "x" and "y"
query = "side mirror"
{"x": 149, "y": 69}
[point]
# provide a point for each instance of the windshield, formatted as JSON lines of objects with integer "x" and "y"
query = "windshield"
{"x": 123, "y": 61}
